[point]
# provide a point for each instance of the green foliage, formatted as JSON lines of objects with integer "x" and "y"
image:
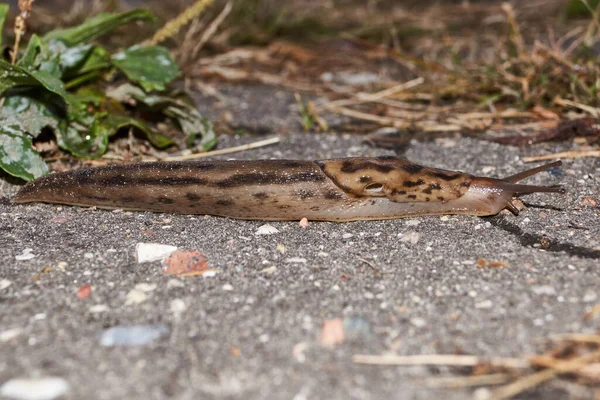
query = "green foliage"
{"x": 62, "y": 82}
{"x": 577, "y": 9}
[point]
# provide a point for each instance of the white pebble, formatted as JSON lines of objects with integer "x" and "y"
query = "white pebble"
{"x": 418, "y": 322}
{"x": 347, "y": 236}
{"x": 484, "y": 304}
{"x": 412, "y": 222}
{"x": 227, "y": 287}
{"x": 146, "y": 287}
{"x": 177, "y": 307}
{"x": 148, "y": 252}
{"x": 25, "y": 255}
{"x": 4, "y": 283}
{"x": 174, "y": 283}
{"x": 134, "y": 297}
{"x": 34, "y": 389}
{"x": 296, "y": 260}
{"x": 98, "y": 308}
{"x": 266, "y": 230}
{"x": 10, "y": 334}
{"x": 543, "y": 290}
{"x": 410, "y": 237}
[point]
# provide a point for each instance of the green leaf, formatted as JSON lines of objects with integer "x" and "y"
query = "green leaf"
{"x": 30, "y": 113}
{"x": 82, "y": 136}
{"x": 97, "y": 26}
{"x": 116, "y": 122}
{"x": 13, "y": 75}
{"x": 39, "y": 57}
{"x": 3, "y": 13}
{"x": 17, "y": 157}
{"x": 192, "y": 123}
{"x": 150, "y": 66}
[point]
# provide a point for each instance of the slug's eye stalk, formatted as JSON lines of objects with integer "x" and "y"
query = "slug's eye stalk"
{"x": 499, "y": 193}
{"x": 512, "y": 185}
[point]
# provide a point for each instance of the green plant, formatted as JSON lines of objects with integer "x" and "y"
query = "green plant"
{"x": 64, "y": 82}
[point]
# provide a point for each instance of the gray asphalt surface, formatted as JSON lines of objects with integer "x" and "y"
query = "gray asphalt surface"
{"x": 253, "y": 330}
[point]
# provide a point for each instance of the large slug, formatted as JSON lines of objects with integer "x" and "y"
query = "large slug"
{"x": 344, "y": 189}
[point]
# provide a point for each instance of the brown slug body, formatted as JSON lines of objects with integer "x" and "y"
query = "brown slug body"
{"x": 331, "y": 190}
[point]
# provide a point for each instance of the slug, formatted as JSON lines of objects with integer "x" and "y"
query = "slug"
{"x": 344, "y": 189}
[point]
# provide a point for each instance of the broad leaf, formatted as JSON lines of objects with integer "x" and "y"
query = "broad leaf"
{"x": 17, "y": 157}
{"x": 115, "y": 122}
{"x": 14, "y": 75}
{"x": 30, "y": 113}
{"x": 185, "y": 115}
{"x": 97, "y": 26}
{"x": 152, "y": 67}
{"x": 3, "y": 13}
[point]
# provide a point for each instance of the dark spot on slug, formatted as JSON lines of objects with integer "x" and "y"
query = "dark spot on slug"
{"x": 315, "y": 208}
{"x": 99, "y": 198}
{"x": 412, "y": 196}
{"x": 261, "y": 195}
{"x": 283, "y": 206}
{"x": 466, "y": 184}
{"x": 128, "y": 199}
{"x": 435, "y": 186}
{"x": 440, "y": 198}
{"x": 427, "y": 191}
{"x": 400, "y": 192}
{"x": 412, "y": 168}
{"x": 165, "y": 200}
{"x": 224, "y": 202}
{"x": 255, "y": 178}
{"x": 446, "y": 176}
{"x": 118, "y": 180}
{"x": 364, "y": 179}
{"x": 304, "y": 194}
{"x": 292, "y": 164}
{"x": 192, "y": 196}
{"x": 351, "y": 166}
{"x": 332, "y": 194}
{"x": 427, "y": 199}
{"x": 411, "y": 184}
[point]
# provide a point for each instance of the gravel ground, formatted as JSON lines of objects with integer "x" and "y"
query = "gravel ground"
{"x": 253, "y": 328}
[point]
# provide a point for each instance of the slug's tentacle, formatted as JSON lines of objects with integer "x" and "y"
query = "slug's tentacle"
{"x": 331, "y": 190}
{"x": 526, "y": 174}
{"x": 500, "y": 192}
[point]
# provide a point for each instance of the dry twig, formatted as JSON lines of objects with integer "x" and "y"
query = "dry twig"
{"x": 254, "y": 145}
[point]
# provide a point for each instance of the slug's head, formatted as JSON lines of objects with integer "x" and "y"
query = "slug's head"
{"x": 452, "y": 192}
{"x": 397, "y": 179}
{"x": 494, "y": 195}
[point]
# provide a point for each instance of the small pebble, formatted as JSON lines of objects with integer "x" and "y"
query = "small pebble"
{"x": 227, "y": 287}
{"x": 484, "y": 304}
{"x": 48, "y": 388}
{"x": 410, "y": 237}
{"x": 132, "y": 335}
{"x": 347, "y": 236}
{"x": 10, "y": 334}
{"x": 4, "y": 283}
{"x": 266, "y": 230}
{"x": 418, "y": 322}
{"x": 544, "y": 290}
{"x": 98, "y": 308}
{"x": 25, "y": 255}
{"x": 296, "y": 260}
{"x": 149, "y": 252}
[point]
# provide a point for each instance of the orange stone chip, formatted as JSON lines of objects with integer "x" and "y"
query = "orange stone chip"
{"x": 185, "y": 263}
